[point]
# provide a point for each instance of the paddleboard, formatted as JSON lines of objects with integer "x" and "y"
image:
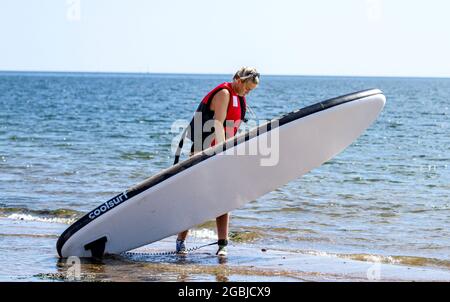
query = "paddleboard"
{"x": 222, "y": 178}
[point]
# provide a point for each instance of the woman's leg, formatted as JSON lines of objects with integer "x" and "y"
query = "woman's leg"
{"x": 222, "y": 226}
{"x": 182, "y": 236}
{"x": 179, "y": 244}
{"x": 222, "y": 234}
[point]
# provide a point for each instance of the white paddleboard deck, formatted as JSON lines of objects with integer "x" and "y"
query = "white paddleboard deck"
{"x": 208, "y": 185}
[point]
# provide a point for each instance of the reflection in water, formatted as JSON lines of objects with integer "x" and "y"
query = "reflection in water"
{"x": 186, "y": 268}
{"x": 223, "y": 271}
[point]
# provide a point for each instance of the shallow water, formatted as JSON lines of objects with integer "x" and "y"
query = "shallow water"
{"x": 70, "y": 141}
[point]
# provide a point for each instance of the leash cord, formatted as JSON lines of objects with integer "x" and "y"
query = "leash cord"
{"x": 165, "y": 253}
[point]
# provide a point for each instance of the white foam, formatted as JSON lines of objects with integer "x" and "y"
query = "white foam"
{"x": 380, "y": 259}
{"x": 28, "y": 217}
{"x": 203, "y": 234}
{"x": 367, "y": 258}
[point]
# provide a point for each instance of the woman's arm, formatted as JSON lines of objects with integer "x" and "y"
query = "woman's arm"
{"x": 219, "y": 105}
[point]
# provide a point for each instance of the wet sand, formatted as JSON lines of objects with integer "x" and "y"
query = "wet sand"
{"x": 28, "y": 254}
{"x": 245, "y": 263}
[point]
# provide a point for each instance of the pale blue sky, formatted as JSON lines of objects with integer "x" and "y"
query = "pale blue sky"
{"x": 316, "y": 37}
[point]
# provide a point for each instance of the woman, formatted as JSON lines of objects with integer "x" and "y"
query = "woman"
{"x": 224, "y": 108}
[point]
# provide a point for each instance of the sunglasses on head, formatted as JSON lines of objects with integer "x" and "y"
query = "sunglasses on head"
{"x": 253, "y": 75}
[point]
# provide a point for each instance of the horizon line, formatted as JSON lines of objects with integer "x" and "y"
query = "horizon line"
{"x": 219, "y": 74}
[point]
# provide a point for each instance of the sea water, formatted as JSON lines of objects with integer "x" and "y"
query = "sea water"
{"x": 71, "y": 141}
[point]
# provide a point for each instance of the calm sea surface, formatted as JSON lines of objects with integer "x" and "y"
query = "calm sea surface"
{"x": 69, "y": 142}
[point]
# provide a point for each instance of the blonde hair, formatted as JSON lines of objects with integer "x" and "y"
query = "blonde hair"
{"x": 246, "y": 74}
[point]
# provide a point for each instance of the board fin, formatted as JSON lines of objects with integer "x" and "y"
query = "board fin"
{"x": 97, "y": 247}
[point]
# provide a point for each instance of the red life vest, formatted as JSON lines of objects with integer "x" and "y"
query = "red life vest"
{"x": 235, "y": 114}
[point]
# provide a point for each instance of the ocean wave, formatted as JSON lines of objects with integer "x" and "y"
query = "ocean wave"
{"x": 29, "y": 235}
{"x": 137, "y": 155}
{"x": 390, "y": 259}
{"x": 28, "y": 217}
{"x": 403, "y": 260}
{"x": 246, "y": 236}
{"x": 64, "y": 216}
{"x": 236, "y": 236}
{"x": 207, "y": 231}
{"x": 203, "y": 234}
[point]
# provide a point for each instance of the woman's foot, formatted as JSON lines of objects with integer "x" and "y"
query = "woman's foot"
{"x": 223, "y": 250}
{"x": 181, "y": 247}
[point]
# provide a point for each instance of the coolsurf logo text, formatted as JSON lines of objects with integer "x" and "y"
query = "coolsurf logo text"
{"x": 108, "y": 205}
